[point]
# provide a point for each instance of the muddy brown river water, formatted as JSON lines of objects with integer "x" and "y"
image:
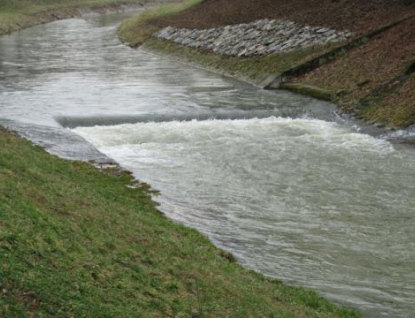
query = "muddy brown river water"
{"x": 291, "y": 189}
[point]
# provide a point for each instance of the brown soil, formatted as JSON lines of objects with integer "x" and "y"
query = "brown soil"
{"x": 397, "y": 108}
{"x": 370, "y": 70}
{"x": 353, "y": 15}
{"x": 369, "y": 74}
{"x": 370, "y": 65}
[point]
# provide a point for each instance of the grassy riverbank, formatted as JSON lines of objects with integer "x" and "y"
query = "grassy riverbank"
{"x": 138, "y": 29}
{"x": 257, "y": 70}
{"x": 79, "y": 242}
{"x": 76, "y": 241}
{"x": 374, "y": 77}
{"x": 19, "y": 14}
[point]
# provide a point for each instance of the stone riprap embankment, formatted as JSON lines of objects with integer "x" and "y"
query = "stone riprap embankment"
{"x": 261, "y": 37}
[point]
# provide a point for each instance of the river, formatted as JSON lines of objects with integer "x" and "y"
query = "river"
{"x": 291, "y": 189}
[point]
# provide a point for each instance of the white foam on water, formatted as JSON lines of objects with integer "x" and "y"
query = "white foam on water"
{"x": 304, "y": 200}
{"x": 307, "y": 201}
{"x": 224, "y": 131}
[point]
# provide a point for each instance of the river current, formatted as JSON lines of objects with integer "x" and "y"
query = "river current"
{"x": 291, "y": 189}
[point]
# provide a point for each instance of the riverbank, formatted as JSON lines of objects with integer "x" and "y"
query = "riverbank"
{"x": 20, "y": 14}
{"x": 85, "y": 242}
{"x": 78, "y": 241}
{"x": 369, "y": 75}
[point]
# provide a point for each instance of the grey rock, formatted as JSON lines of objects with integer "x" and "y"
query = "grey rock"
{"x": 166, "y": 32}
{"x": 322, "y": 30}
{"x": 261, "y": 37}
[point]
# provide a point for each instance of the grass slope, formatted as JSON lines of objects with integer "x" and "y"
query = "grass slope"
{"x": 77, "y": 242}
{"x": 18, "y": 14}
{"x": 138, "y": 29}
{"x": 354, "y": 15}
{"x": 373, "y": 77}
{"x": 255, "y": 70}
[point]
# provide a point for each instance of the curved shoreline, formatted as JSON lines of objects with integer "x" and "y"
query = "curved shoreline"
{"x": 327, "y": 71}
{"x": 16, "y": 20}
{"x": 92, "y": 238}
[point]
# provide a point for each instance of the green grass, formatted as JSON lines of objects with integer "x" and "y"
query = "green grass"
{"x": 18, "y": 14}
{"x": 255, "y": 70}
{"x": 138, "y": 29}
{"x": 77, "y": 242}
{"x": 309, "y": 90}
{"x": 395, "y": 108}
{"x": 17, "y": 6}
{"x": 352, "y": 77}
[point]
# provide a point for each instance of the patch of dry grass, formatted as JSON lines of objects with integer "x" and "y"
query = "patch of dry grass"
{"x": 369, "y": 72}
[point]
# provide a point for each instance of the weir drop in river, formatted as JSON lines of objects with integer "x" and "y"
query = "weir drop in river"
{"x": 290, "y": 189}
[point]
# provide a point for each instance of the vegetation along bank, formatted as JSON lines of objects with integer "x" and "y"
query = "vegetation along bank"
{"x": 369, "y": 73}
{"x": 76, "y": 241}
{"x": 19, "y": 14}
